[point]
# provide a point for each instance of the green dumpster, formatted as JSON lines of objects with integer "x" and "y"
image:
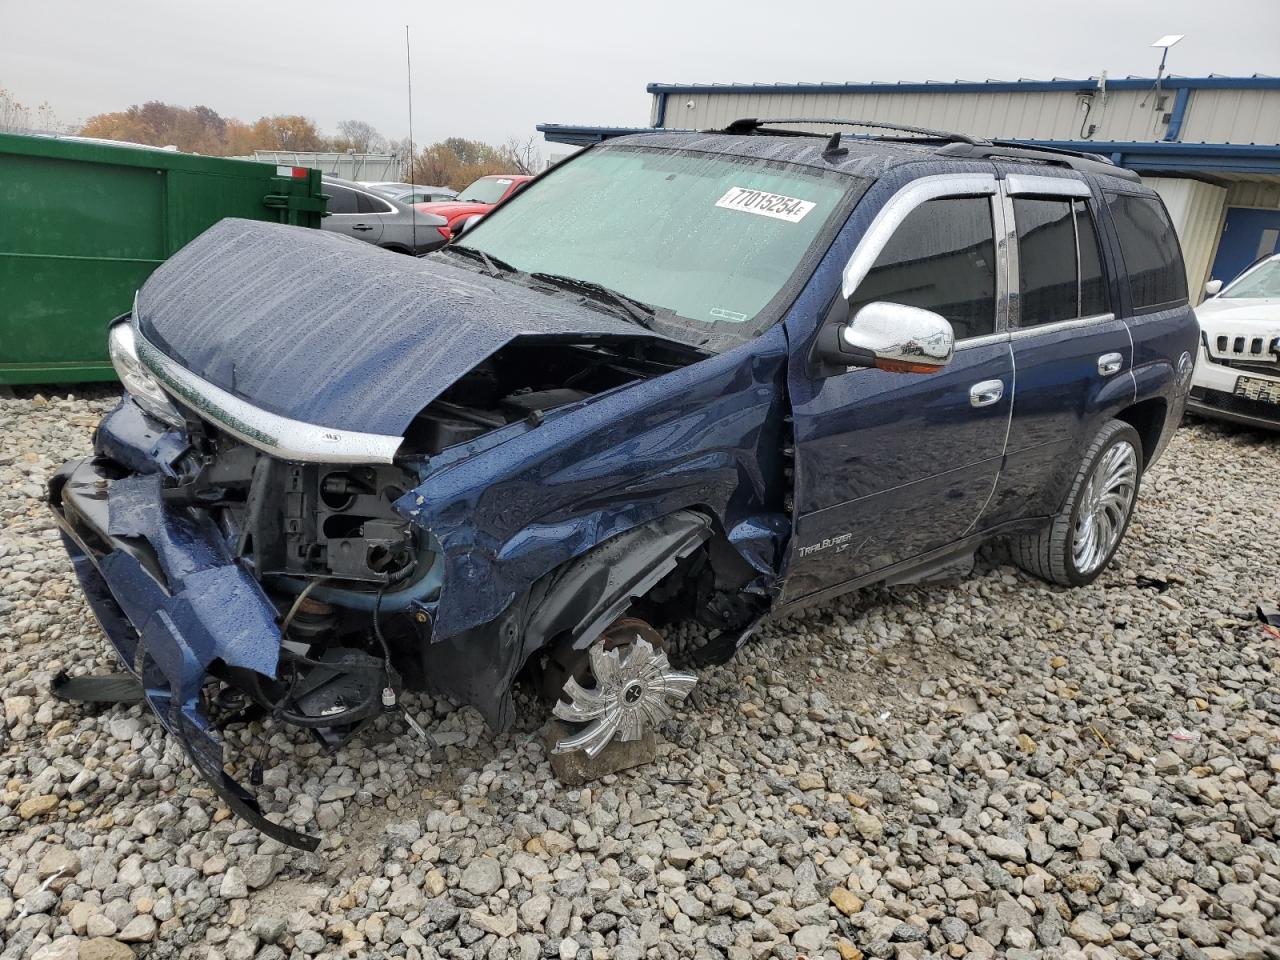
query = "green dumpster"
{"x": 83, "y": 223}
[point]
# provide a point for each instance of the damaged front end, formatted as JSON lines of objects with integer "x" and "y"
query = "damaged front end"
{"x": 285, "y": 521}
{"x": 199, "y": 555}
{"x": 240, "y": 574}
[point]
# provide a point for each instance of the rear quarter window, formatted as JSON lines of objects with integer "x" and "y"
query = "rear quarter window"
{"x": 1149, "y": 247}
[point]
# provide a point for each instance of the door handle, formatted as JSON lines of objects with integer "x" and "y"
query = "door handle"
{"x": 986, "y": 393}
{"x": 362, "y": 226}
{"x": 1110, "y": 363}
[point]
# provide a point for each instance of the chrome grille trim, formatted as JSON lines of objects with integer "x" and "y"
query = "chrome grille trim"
{"x": 271, "y": 433}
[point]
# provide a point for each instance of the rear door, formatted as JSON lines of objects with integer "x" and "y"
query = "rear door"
{"x": 345, "y": 216}
{"x": 1072, "y": 353}
{"x": 376, "y": 220}
{"x": 893, "y": 466}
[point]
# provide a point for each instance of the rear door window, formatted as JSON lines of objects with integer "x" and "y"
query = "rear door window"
{"x": 368, "y": 203}
{"x": 1094, "y": 298}
{"x": 941, "y": 258}
{"x": 341, "y": 200}
{"x": 1060, "y": 272}
{"x": 1149, "y": 246}
{"x": 1047, "y": 268}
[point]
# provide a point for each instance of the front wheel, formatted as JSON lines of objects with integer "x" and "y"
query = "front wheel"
{"x": 1081, "y": 539}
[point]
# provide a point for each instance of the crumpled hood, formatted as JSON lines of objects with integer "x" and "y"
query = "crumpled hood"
{"x": 322, "y": 328}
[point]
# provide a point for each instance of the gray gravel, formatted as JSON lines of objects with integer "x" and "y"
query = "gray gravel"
{"x": 995, "y": 768}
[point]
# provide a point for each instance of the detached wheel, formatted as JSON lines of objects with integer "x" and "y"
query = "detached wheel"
{"x": 1080, "y": 541}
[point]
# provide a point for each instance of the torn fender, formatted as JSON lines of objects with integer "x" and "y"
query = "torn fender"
{"x": 579, "y": 599}
{"x": 703, "y": 437}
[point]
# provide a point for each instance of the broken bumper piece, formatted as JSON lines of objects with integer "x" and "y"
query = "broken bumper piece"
{"x": 172, "y": 601}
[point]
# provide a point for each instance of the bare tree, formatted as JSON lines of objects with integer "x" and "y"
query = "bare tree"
{"x": 14, "y": 116}
{"x": 360, "y": 136}
{"x": 524, "y": 155}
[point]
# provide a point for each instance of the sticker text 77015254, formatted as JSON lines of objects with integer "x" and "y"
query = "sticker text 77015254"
{"x": 791, "y": 209}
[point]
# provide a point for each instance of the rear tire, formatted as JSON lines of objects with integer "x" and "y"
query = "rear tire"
{"x": 1079, "y": 542}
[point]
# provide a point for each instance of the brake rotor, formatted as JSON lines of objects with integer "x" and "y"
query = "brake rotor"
{"x": 632, "y": 688}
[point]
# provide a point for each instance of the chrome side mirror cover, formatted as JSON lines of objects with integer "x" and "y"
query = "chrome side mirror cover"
{"x": 1212, "y": 288}
{"x": 889, "y": 336}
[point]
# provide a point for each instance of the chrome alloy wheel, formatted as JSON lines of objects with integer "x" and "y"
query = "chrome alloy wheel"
{"x": 635, "y": 689}
{"x": 1105, "y": 505}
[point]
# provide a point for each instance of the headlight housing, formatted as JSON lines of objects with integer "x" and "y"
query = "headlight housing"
{"x": 143, "y": 387}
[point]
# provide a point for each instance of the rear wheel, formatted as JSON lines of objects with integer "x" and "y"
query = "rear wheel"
{"x": 1081, "y": 539}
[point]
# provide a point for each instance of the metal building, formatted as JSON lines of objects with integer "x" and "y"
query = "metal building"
{"x": 348, "y": 165}
{"x": 1209, "y": 145}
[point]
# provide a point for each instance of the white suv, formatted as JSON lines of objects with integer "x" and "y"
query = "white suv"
{"x": 1237, "y": 375}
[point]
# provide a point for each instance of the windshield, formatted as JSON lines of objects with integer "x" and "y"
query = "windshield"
{"x": 709, "y": 239}
{"x": 1263, "y": 281}
{"x": 486, "y": 190}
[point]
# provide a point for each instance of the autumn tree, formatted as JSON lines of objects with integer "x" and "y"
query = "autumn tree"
{"x": 158, "y": 124}
{"x": 456, "y": 162}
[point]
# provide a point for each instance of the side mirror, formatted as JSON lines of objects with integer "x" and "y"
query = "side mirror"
{"x": 889, "y": 336}
{"x": 470, "y": 222}
{"x": 1212, "y": 287}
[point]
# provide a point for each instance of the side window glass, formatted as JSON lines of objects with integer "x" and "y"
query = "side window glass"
{"x": 368, "y": 204}
{"x": 1152, "y": 257}
{"x": 941, "y": 258}
{"x": 1094, "y": 298}
{"x": 341, "y": 200}
{"x": 1046, "y": 261}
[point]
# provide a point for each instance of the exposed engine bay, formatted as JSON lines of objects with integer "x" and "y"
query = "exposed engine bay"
{"x": 525, "y": 380}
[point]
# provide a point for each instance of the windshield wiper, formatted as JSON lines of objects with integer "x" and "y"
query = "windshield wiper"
{"x": 494, "y": 265}
{"x": 637, "y": 311}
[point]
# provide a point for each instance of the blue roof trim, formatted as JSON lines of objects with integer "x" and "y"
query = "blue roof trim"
{"x": 977, "y": 86}
{"x": 1144, "y": 156}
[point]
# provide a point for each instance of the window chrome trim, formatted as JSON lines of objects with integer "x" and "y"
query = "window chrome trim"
{"x": 895, "y": 210}
{"x": 986, "y": 340}
{"x": 279, "y": 436}
{"x": 1025, "y": 184}
{"x": 1097, "y": 318}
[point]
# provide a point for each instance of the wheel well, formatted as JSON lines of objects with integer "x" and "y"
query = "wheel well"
{"x": 1148, "y": 418}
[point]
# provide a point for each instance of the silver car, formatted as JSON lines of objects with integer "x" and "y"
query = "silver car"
{"x": 374, "y": 218}
{"x": 411, "y": 193}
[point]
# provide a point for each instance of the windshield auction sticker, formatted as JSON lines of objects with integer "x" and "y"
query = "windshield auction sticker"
{"x": 764, "y": 204}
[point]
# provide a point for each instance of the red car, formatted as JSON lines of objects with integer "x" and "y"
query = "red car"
{"x": 478, "y": 199}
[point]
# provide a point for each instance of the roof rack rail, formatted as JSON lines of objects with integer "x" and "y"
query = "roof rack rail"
{"x": 955, "y": 145}
{"x": 1094, "y": 163}
{"x": 753, "y": 125}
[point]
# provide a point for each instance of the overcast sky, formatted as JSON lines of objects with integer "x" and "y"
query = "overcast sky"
{"x": 495, "y": 69}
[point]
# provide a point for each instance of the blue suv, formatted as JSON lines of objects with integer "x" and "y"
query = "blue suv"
{"x": 707, "y": 376}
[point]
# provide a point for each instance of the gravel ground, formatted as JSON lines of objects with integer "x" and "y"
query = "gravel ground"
{"x": 991, "y": 768}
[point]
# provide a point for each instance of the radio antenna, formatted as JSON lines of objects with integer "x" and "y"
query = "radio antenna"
{"x": 413, "y": 215}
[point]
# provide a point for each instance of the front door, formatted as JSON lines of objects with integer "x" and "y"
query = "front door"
{"x": 892, "y": 466}
{"x": 1247, "y": 235}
